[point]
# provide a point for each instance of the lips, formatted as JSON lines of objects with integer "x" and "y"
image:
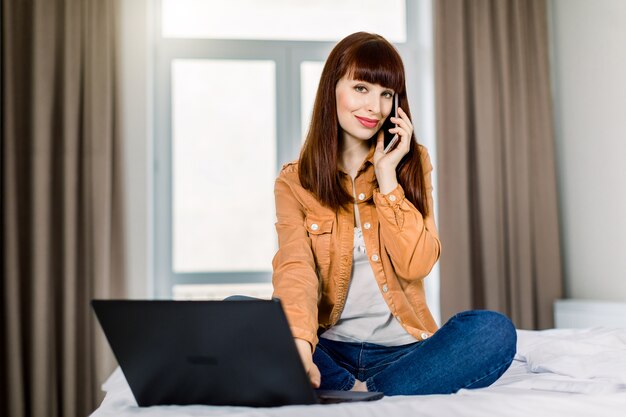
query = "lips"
{"x": 368, "y": 123}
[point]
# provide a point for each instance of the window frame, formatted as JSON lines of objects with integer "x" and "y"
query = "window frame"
{"x": 288, "y": 56}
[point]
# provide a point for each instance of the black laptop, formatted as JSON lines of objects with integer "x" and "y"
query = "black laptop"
{"x": 237, "y": 353}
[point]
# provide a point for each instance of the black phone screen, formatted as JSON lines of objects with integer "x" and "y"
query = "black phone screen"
{"x": 388, "y": 124}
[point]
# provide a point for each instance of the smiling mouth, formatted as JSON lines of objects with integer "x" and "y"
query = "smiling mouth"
{"x": 368, "y": 123}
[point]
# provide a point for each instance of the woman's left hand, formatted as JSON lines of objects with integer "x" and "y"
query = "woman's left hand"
{"x": 385, "y": 163}
{"x": 391, "y": 159}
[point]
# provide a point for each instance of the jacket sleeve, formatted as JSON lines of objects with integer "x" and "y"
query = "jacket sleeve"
{"x": 295, "y": 279}
{"x": 410, "y": 238}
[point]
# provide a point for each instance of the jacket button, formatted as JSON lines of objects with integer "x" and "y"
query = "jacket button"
{"x": 392, "y": 198}
{"x": 424, "y": 335}
{"x": 367, "y": 225}
{"x": 385, "y": 289}
{"x": 361, "y": 196}
{"x": 375, "y": 258}
{"x": 314, "y": 226}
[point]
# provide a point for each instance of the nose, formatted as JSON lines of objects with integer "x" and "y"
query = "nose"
{"x": 373, "y": 104}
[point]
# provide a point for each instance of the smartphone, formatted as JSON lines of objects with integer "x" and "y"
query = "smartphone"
{"x": 390, "y": 138}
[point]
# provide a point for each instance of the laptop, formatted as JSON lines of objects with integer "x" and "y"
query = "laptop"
{"x": 238, "y": 353}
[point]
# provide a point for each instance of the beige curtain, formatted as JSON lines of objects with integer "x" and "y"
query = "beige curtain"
{"x": 61, "y": 203}
{"x": 497, "y": 205}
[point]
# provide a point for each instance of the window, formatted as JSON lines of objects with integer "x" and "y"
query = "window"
{"x": 282, "y": 19}
{"x": 223, "y": 162}
{"x": 235, "y": 84}
{"x": 310, "y": 73}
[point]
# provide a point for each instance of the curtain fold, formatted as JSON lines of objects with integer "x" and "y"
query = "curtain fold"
{"x": 62, "y": 202}
{"x": 498, "y": 208}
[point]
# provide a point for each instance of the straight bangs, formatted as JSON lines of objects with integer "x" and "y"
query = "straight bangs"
{"x": 376, "y": 62}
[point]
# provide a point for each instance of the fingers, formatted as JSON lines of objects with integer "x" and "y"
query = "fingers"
{"x": 403, "y": 122}
{"x": 404, "y": 130}
{"x": 403, "y": 118}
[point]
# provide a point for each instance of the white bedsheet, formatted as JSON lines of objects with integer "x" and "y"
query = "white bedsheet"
{"x": 555, "y": 373}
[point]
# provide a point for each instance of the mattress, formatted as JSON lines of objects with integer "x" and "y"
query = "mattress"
{"x": 557, "y": 372}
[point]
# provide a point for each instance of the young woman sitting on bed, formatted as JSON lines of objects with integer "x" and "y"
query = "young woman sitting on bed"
{"x": 357, "y": 236}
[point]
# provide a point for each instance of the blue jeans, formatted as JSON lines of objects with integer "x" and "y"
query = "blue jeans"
{"x": 472, "y": 350}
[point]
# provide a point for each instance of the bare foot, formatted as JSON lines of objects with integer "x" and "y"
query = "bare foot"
{"x": 359, "y": 386}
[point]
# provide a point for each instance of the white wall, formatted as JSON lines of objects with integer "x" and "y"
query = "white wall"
{"x": 589, "y": 75}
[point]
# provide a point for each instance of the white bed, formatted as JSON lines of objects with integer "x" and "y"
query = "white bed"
{"x": 559, "y": 372}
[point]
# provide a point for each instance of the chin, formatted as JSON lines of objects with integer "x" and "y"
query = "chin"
{"x": 366, "y": 135}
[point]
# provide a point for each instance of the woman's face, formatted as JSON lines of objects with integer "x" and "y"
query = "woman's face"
{"x": 361, "y": 107}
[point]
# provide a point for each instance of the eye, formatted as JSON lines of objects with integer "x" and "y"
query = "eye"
{"x": 388, "y": 94}
{"x": 360, "y": 88}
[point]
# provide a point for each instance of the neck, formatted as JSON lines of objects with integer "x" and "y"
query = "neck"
{"x": 353, "y": 153}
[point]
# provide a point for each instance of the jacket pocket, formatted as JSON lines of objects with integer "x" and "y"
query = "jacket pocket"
{"x": 320, "y": 232}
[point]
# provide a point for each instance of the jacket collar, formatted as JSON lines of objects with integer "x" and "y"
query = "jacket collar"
{"x": 369, "y": 160}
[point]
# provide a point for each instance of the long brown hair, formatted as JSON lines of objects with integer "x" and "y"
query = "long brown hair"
{"x": 366, "y": 57}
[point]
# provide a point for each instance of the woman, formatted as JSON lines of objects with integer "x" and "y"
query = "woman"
{"x": 357, "y": 237}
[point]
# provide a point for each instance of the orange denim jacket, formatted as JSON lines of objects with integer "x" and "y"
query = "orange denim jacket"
{"x": 313, "y": 264}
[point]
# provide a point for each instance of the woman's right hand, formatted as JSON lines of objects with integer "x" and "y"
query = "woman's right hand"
{"x": 306, "y": 355}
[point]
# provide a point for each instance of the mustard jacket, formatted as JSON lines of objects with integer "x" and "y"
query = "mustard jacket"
{"x": 313, "y": 265}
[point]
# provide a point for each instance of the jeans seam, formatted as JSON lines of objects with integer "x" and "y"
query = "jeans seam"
{"x": 371, "y": 386}
{"x": 387, "y": 363}
{"x": 497, "y": 368}
{"x": 345, "y": 365}
{"x": 350, "y": 384}
{"x": 360, "y": 361}
{"x": 401, "y": 357}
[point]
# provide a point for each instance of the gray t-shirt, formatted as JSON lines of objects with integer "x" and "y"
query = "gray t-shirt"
{"x": 366, "y": 316}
